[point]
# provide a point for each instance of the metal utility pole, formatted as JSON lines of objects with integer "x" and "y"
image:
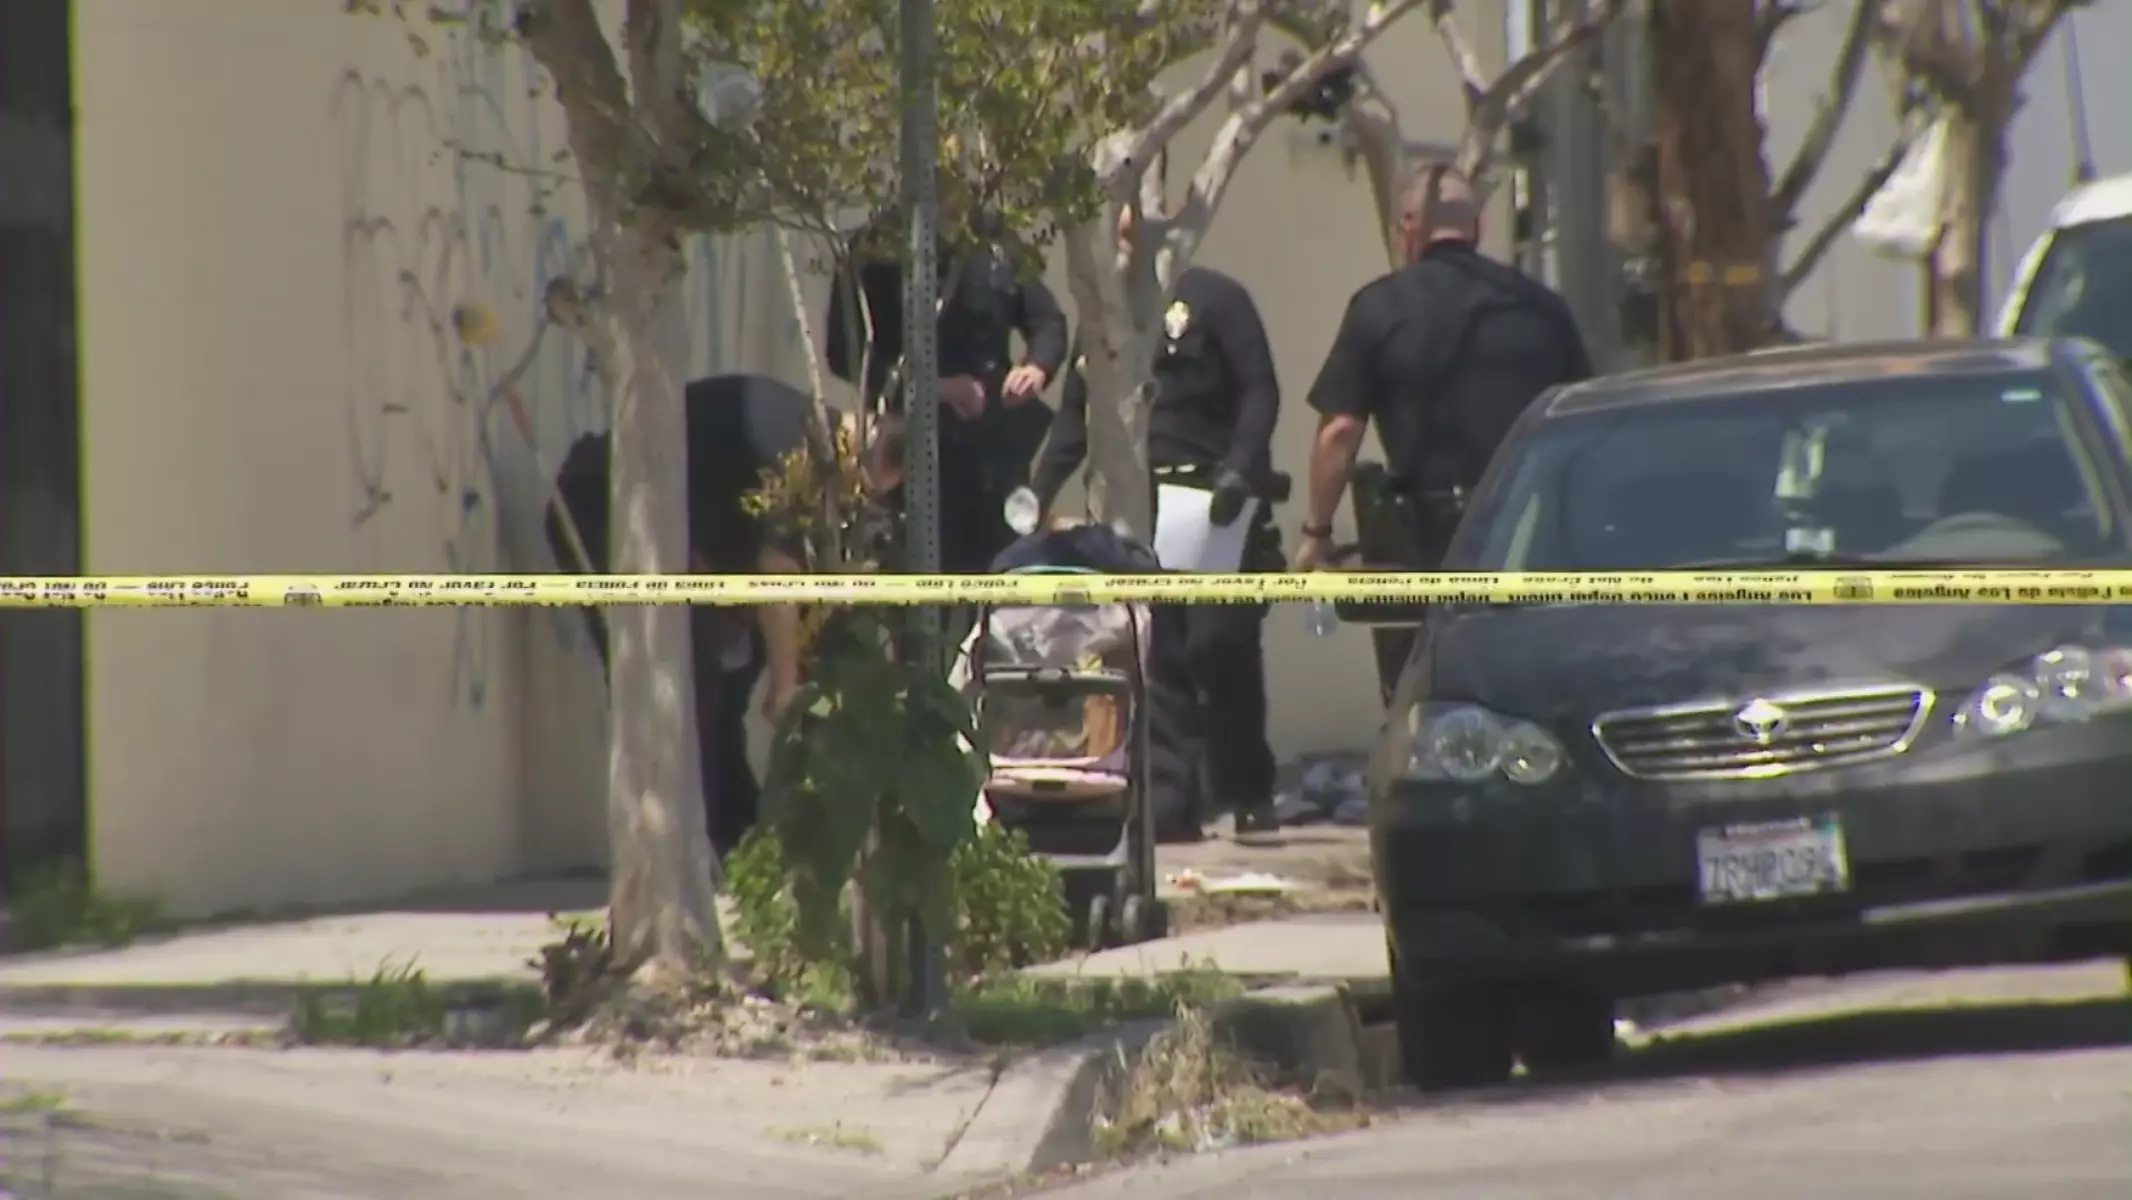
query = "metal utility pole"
{"x": 921, "y": 381}
{"x": 1594, "y": 124}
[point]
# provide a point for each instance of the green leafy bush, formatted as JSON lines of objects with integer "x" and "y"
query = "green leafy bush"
{"x": 1011, "y": 904}
{"x": 1010, "y": 911}
{"x": 872, "y": 779}
{"x": 766, "y": 921}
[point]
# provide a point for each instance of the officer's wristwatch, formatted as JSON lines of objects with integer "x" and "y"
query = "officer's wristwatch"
{"x": 1317, "y": 533}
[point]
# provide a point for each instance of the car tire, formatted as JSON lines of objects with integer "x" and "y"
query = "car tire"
{"x": 1452, "y": 1035}
{"x": 1560, "y": 1029}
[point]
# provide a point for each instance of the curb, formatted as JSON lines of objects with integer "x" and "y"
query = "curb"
{"x": 1314, "y": 1035}
{"x": 1040, "y": 1116}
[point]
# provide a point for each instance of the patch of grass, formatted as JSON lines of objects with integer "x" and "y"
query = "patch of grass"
{"x": 398, "y": 1007}
{"x": 33, "y": 1101}
{"x": 57, "y": 906}
{"x": 836, "y": 1137}
{"x": 576, "y": 968}
{"x": 105, "y": 1036}
{"x": 1188, "y": 1093}
{"x": 1025, "y": 1010}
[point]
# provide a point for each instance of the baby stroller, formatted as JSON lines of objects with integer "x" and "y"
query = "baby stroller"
{"x": 1061, "y": 694}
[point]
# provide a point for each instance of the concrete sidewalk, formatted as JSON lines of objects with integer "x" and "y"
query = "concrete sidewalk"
{"x": 1338, "y": 947}
{"x": 239, "y": 974}
{"x": 833, "y": 1127}
{"x": 235, "y": 1122}
{"x": 245, "y": 976}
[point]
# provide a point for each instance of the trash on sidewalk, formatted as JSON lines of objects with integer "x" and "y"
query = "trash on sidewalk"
{"x": 1254, "y": 883}
{"x": 1332, "y": 789}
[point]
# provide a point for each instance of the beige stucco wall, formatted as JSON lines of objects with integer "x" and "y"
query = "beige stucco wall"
{"x": 274, "y": 230}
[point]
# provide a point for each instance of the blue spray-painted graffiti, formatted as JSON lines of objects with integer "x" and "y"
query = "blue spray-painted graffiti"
{"x": 449, "y": 205}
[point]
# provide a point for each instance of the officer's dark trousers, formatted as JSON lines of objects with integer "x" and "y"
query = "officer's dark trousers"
{"x": 732, "y": 797}
{"x": 1207, "y": 706}
{"x": 973, "y": 525}
{"x": 1391, "y": 539}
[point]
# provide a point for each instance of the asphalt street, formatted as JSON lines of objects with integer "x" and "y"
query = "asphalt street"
{"x": 1983, "y": 1085}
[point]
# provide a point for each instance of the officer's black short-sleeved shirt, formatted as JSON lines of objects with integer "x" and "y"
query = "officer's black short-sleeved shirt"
{"x": 1443, "y": 355}
{"x": 739, "y": 426}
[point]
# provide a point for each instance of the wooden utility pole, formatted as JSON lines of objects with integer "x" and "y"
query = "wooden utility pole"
{"x": 1713, "y": 183}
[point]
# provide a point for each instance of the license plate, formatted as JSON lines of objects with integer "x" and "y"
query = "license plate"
{"x": 1773, "y": 861}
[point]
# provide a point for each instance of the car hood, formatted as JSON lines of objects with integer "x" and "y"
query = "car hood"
{"x": 1576, "y": 661}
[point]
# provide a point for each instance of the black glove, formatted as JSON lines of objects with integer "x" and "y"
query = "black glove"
{"x": 1230, "y": 493}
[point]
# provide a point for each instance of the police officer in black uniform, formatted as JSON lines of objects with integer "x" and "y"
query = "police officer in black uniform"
{"x": 992, "y": 417}
{"x": 739, "y": 427}
{"x": 1211, "y": 427}
{"x": 1443, "y": 354}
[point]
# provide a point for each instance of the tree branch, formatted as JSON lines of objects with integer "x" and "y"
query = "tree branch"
{"x": 1774, "y": 16}
{"x": 652, "y": 31}
{"x": 1373, "y": 123}
{"x": 1844, "y": 77}
{"x": 1927, "y": 40}
{"x": 1496, "y": 103}
{"x": 1242, "y": 129}
{"x": 1122, "y": 158}
{"x": 1846, "y": 215}
{"x": 565, "y": 38}
{"x": 2031, "y": 24}
{"x": 1472, "y": 77}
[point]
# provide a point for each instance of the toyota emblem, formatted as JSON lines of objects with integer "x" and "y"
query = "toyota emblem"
{"x": 1760, "y": 722}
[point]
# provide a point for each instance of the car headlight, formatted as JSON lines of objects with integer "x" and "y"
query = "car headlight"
{"x": 2069, "y": 683}
{"x": 1462, "y": 743}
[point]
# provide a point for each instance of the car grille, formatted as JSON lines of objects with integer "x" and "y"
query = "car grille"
{"x": 1759, "y": 737}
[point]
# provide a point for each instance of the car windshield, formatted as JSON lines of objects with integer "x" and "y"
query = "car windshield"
{"x": 1918, "y": 468}
{"x": 2083, "y": 287}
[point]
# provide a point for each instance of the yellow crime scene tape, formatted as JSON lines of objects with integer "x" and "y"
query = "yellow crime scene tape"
{"x": 1667, "y": 587}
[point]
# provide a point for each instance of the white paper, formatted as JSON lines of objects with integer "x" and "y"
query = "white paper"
{"x": 1186, "y": 540}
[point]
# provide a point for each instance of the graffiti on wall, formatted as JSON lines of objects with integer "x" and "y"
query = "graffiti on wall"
{"x": 460, "y": 402}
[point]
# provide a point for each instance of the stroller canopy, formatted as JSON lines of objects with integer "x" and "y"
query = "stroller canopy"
{"x": 1082, "y": 547}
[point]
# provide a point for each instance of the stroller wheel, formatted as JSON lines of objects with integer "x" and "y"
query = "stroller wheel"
{"x": 1098, "y": 921}
{"x": 1132, "y": 918}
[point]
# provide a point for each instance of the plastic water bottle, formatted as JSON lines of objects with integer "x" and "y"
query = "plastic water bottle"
{"x": 1022, "y": 511}
{"x": 1320, "y": 619}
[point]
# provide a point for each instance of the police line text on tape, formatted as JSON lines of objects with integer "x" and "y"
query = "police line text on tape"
{"x": 1665, "y": 587}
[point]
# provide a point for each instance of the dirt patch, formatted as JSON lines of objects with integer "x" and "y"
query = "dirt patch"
{"x": 1326, "y": 868}
{"x": 1193, "y": 913}
{"x": 1322, "y": 855}
{"x": 1190, "y": 1093}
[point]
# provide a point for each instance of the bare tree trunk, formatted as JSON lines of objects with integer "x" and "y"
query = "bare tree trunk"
{"x": 1975, "y": 158}
{"x": 1118, "y": 345}
{"x": 1713, "y": 180}
{"x": 663, "y": 914}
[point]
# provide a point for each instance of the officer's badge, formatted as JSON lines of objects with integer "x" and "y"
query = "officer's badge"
{"x": 1177, "y": 319}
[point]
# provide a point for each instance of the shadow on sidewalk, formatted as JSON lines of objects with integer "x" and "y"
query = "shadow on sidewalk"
{"x": 1823, "y": 1042}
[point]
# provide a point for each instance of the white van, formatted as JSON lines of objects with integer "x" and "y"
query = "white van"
{"x": 2076, "y": 281}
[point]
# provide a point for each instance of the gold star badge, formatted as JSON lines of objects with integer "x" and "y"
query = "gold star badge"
{"x": 1177, "y": 319}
